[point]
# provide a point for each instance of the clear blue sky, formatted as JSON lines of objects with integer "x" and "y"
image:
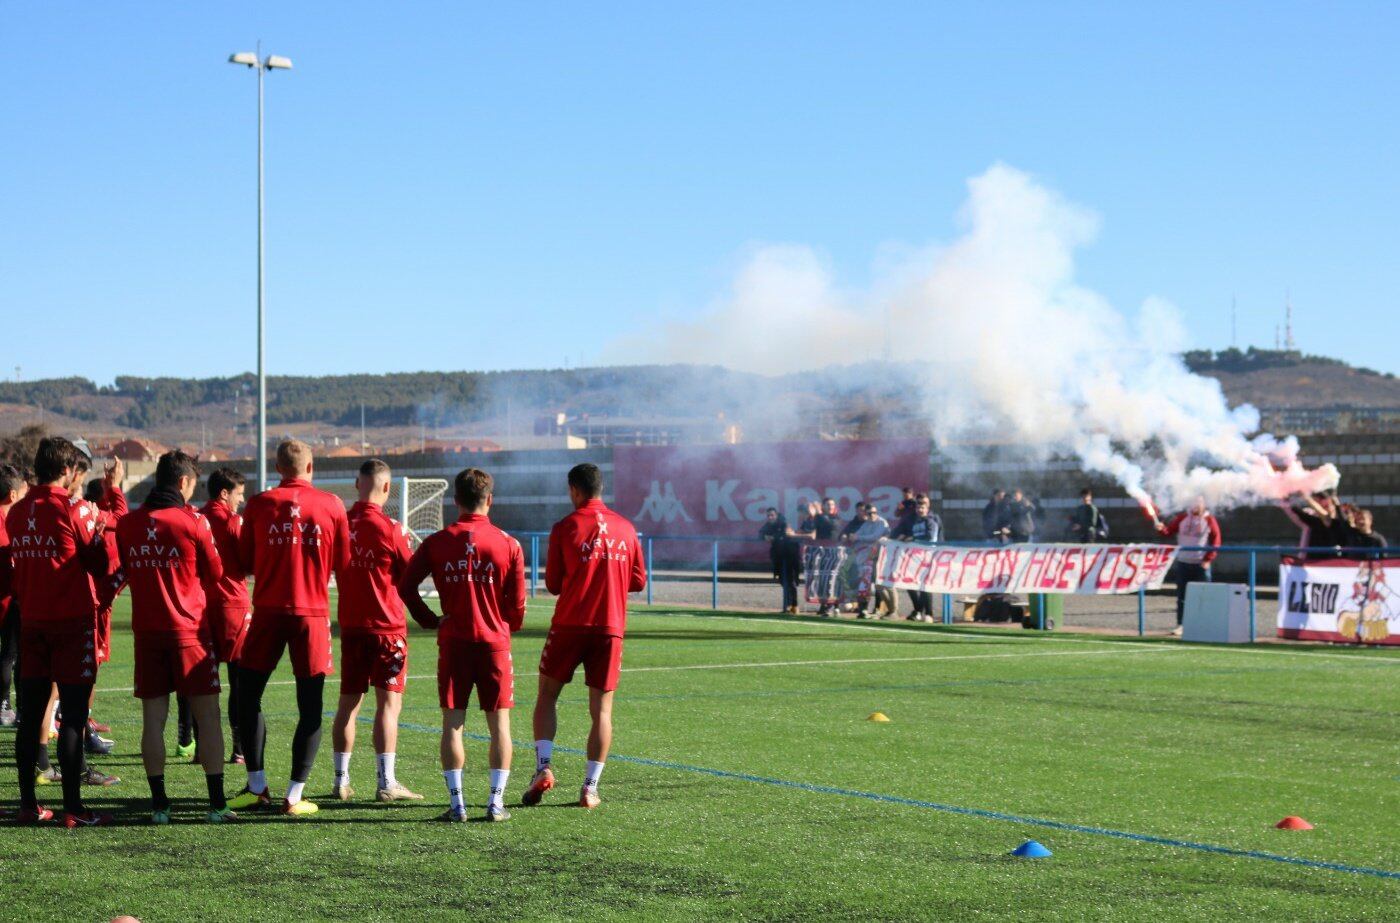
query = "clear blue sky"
{"x": 509, "y": 185}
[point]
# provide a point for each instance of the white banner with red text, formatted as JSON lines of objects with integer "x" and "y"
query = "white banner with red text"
{"x": 1339, "y": 599}
{"x": 1078, "y": 569}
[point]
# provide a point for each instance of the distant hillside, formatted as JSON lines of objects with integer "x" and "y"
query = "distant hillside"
{"x": 1276, "y": 378}
{"x": 399, "y": 408}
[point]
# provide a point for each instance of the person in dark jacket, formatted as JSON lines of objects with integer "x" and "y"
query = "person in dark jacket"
{"x": 1018, "y": 518}
{"x": 1086, "y": 523}
{"x": 927, "y": 528}
{"x": 784, "y": 552}
{"x": 992, "y": 517}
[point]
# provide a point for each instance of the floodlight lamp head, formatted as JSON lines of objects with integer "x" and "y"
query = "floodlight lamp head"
{"x": 246, "y": 58}
{"x": 277, "y": 62}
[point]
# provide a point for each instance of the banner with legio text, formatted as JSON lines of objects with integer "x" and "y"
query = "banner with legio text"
{"x": 1339, "y": 599}
{"x": 1078, "y": 569}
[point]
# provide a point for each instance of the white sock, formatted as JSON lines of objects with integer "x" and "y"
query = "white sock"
{"x": 294, "y": 789}
{"x": 591, "y": 774}
{"x": 257, "y": 780}
{"x": 544, "y": 752}
{"x": 498, "y": 787}
{"x": 386, "y": 770}
{"x": 341, "y": 762}
{"x": 453, "y": 778}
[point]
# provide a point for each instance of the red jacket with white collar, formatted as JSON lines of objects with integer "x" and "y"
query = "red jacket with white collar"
{"x": 479, "y": 572}
{"x": 368, "y": 586}
{"x": 294, "y": 537}
{"x": 594, "y": 561}
{"x": 54, "y": 556}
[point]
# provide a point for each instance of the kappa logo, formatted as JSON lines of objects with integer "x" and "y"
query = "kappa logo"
{"x": 33, "y": 526}
{"x": 470, "y": 547}
{"x": 87, "y": 674}
{"x": 354, "y": 535}
{"x": 662, "y": 505}
{"x": 151, "y": 534}
{"x": 602, "y": 525}
{"x": 296, "y": 511}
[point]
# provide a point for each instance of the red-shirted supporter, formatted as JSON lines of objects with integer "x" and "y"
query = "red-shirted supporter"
{"x": 227, "y": 612}
{"x": 594, "y": 562}
{"x": 294, "y": 538}
{"x": 479, "y": 573}
{"x": 12, "y": 489}
{"x": 373, "y": 635}
{"x": 56, "y": 550}
{"x": 168, "y": 554}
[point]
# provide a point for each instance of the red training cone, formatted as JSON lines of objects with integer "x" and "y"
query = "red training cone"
{"x": 1293, "y": 822}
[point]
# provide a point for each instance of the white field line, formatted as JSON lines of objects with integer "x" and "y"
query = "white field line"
{"x": 1156, "y": 649}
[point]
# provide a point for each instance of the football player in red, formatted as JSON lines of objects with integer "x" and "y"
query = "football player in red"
{"x": 168, "y": 555}
{"x": 13, "y": 487}
{"x": 294, "y": 537}
{"x": 105, "y": 495}
{"x": 594, "y": 562}
{"x": 479, "y": 572}
{"x": 227, "y": 611}
{"x": 373, "y": 634}
{"x": 56, "y": 550}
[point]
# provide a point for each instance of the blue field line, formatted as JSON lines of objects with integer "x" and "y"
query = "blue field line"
{"x": 953, "y": 809}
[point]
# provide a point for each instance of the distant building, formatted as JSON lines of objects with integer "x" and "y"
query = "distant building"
{"x": 138, "y": 450}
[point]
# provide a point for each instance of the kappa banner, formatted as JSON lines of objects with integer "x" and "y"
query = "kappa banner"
{"x": 724, "y": 490}
{"x": 1339, "y": 600}
{"x": 1078, "y": 569}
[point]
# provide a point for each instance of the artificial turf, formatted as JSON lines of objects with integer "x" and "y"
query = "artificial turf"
{"x": 745, "y": 782}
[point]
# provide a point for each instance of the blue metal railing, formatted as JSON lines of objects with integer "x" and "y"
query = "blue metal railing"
{"x": 1253, "y": 551}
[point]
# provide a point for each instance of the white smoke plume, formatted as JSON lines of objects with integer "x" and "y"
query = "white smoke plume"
{"x": 1017, "y": 351}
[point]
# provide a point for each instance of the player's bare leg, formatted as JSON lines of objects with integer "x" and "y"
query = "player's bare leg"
{"x": 454, "y": 757}
{"x": 599, "y": 742}
{"x": 498, "y": 724}
{"x": 387, "y": 705}
{"x": 205, "y": 709}
{"x": 343, "y": 743}
{"x": 546, "y": 722}
{"x": 154, "y": 713}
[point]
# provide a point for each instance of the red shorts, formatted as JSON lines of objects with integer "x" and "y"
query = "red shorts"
{"x": 308, "y": 637}
{"x": 104, "y": 635}
{"x": 64, "y": 652}
{"x": 601, "y": 656}
{"x": 182, "y": 665}
{"x": 464, "y": 664}
{"x": 225, "y": 630}
{"x": 374, "y": 660}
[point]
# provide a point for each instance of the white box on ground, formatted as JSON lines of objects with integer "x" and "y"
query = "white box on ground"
{"x": 1217, "y": 613}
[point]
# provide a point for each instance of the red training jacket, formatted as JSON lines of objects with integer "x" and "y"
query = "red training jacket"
{"x": 369, "y": 597}
{"x": 54, "y": 557}
{"x": 294, "y": 537}
{"x": 110, "y": 510}
{"x": 594, "y": 561}
{"x": 231, "y": 590}
{"x": 4, "y": 571}
{"x": 168, "y": 556}
{"x": 479, "y": 572}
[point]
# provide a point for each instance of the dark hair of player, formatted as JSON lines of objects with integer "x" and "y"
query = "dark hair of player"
{"x": 472, "y": 488}
{"x": 94, "y": 490}
{"x": 1087, "y": 492}
{"x": 222, "y": 479}
{"x": 373, "y": 468}
{"x": 586, "y": 479}
{"x": 54, "y": 456}
{"x": 174, "y": 465}
{"x": 11, "y": 480}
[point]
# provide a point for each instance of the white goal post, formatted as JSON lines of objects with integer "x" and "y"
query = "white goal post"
{"x": 415, "y": 502}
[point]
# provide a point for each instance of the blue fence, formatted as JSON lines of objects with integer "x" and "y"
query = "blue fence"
{"x": 1252, "y": 551}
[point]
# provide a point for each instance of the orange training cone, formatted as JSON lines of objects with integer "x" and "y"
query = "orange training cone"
{"x": 1293, "y": 822}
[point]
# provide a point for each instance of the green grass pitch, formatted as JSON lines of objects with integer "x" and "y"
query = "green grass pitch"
{"x": 746, "y": 782}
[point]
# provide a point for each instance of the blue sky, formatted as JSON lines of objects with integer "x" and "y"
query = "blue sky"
{"x": 519, "y": 185}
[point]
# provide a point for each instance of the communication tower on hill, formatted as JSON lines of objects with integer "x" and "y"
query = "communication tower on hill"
{"x": 1288, "y": 342}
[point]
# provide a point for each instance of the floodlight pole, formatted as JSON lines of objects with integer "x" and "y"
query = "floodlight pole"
{"x": 259, "y": 63}
{"x": 262, "y": 297}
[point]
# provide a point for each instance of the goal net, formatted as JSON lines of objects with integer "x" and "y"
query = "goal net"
{"x": 415, "y": 502}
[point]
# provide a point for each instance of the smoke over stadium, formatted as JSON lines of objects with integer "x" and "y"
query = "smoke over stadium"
{"x": 1015, "y": 351}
